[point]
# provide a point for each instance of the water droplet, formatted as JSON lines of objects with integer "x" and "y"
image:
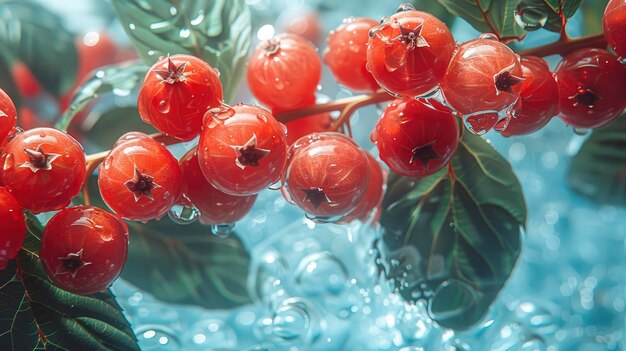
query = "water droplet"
{"x": 581, "y": 131}
{"x": 291, "y": 320}
{"x": 222, "y": 230}
{"x": 184, "y": 33}
{"x": 321, "y": 273}
{"x": 489, "y": 36}
{"x": 279, "y": 84}
{"x": 530, "y": 16}
{"x": 405, "y": 7}
{"x": 481, "y": 122}
{"x": 183, "y": 214}
{"x": 164, "y": 106}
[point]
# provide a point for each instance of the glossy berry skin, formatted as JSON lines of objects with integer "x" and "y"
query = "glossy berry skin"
{"x": 13, "y": 227}
{"x": 283, "y": 72}
{"x": 592, "y": 88}
{"x": 176, "y": 93}
{"x": 242, "y": 149}
{"x": 409, "y": 53}
{"x": 415, "y": 138}
{"x": 614, "y": 23}
{"x": 8, "y": 117}
{"x": 215, "y": 206}
{"x": 346, "y": 54}
{"x": 139, "y": 179}
{"x": 327, "y": 175}
{"x": 484, "y": 75}
{"x": 43, "y": 168}
{"x": 304, "y": 126}
{"x": 540, "y": 98}
{"x": 83, "y": 249}
{"x": 373, "y": 195}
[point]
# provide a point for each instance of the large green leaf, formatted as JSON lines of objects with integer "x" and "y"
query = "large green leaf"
{"x": 33, "y": 35}
{"x": 454, "y": 240}
{"x": 598, "y": 171}
{"x": 185, "y": 264}
{"x": 35, "y": 314}
{"x": 435, "y": 9}
{"x": 217, "y": 31}
{"x": 120, "y": 78}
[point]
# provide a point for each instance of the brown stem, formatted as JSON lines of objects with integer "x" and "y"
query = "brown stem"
{"x": 566, "y": 46}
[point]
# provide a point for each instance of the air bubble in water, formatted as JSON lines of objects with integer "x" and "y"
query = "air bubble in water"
{"x": 291, "y": 320}
{"x": 321, "y": 273}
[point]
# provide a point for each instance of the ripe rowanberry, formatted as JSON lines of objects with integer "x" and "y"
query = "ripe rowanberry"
{"x": 614, "y": 23}
{"x": 139, "y": 179}
{"x": 326, "y": 176}
{"x": 484, "y": 76}
{"x": 416, "y": 138}
{"x": 540, "y": 98}
{"x": 304, "y": 126}
{"x": 8, "y": 118}
{"x": 43, "y": 168}
{"x": 84, "y": 248}
{"x": 215, "y": 206}
{"x": 13, "y": 227}
{"x": 373, "y": 195}
{"x": 592, "y": 88}
{"x": 242, "y": 149}
{"x": 346, "y": 54}
{"x": 409, "y": 52}
{"x": 283, "y": 72}
{"x": 175, "y": 94}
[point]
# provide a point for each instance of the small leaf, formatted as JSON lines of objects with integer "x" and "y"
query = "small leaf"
{"x": 29, "y": 32}
{"x": 569, "y": 6}
{"x": 115, "y": 122}
{"x": 488, "y": 16}
{"x": 35, "y": 314}
{"x": 122, "y": 78}
{"x": 598, "y": 171}
{"x": 217, "y": 31}
{"x": 435, "y": 9}
{"x": 454, "y": 240}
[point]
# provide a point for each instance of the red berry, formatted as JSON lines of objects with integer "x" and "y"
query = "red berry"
{"x": 215, "y": 206}
{"x": 373, "y": 196}
{"x": 25, "y": 81}
{"x": 43, "y": 168}
{"x": 13, "y": 227}
{"x": 176, "y": 93}
{"x": 346, "y": 55}
{"x": 408, "y": 54}
{"x": 139, "y": 179}
{"x": 83, "y": 249}
{"x": 416, "y": 138}
{"x": 483, "y": 76}
{"x": 614, "y": 22}
{"x": 327, "y": 175}
{"x": 8, "y": 117}
{"x": 592, "y": 86}
{"x": 242, "y": 150}
{"x": 540, "y": 98}
{"x": 283, "y": 72}
{"x": 304, "y": 126}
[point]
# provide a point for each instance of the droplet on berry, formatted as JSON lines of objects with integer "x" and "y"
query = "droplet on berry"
{"x": 222, "y": 230}
{"x": 183, "y": 213}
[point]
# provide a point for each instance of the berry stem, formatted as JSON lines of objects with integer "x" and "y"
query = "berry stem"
{"x": 566, "y": 46}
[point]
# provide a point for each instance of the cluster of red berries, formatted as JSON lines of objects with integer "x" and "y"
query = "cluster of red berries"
{"x": 244, "y": 149}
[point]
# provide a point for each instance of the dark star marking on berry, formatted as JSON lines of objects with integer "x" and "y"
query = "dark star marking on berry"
{"x": 173, "y": 73}
{"x": 71, "y": 264}
{"x": 249, "y": 154}
{"x": 424, "y": 154}
{"x": 412, "y": 38}
{"x": 585, "y": 97}
{"x": 141, "y": 185}
{"x": 39, "y": 160}
{"x": 505, "y": 81}
{"x": 315, "y": 196}
{"x": 272, "y": 46}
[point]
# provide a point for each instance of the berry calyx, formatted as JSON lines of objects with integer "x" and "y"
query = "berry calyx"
{"x": 326, "y": 176}
{"x": 216, "y": 207}
{"x": 416, "y": 138}
{"x": 175, "y": 94}
{"x": 139, "y": 179}
{"x": 43, "y": 168}
{"x": 13, "y": 226}
{"x": 591, "y": 86}
{"x": 242, "y": 150}
{"x": 83, "y": 249}
{"x": 408, "y": 54}
{"x": 504, "y": 81}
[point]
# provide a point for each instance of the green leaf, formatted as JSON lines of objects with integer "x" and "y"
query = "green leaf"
{"x": 536, "y": 14}
{"x": 33, "y": 35}
{"x": 454, "y": 240}
{"x": 488, "y": 16}
{"x": 435, "y": 9}
{"x": 184, "y": 264}
{"x": 218, "y": 31}
{"x": 121, "y": 78}
{"x": 569, "y": 6}
{"x": 115, "y": 122}
{"x": 598, "y": 171}
{"x": 35, "y": 314}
